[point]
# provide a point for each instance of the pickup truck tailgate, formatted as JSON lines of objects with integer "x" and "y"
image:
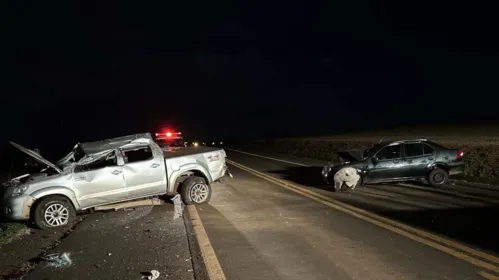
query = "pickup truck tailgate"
{"x": 216, "y": 163}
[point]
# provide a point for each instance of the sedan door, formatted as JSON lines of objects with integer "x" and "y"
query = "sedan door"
{"x": 417, "y": 157}
{"x": 387, "y": 164}
{"x": 99, "y": 183}
{"x": 144, "y": 172}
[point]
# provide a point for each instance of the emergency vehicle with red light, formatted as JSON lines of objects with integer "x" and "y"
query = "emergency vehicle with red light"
{"x": 169, "y": 139}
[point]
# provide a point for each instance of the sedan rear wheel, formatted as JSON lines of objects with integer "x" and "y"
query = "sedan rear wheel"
{"x": 438, "y": 177}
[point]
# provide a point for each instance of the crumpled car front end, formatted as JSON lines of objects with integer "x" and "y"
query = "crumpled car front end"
{"x": 341, "y": 160}
{"x": 16, "y": 204}
{"x": 18, "y": 194}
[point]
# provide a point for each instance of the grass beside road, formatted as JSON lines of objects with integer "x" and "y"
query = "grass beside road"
{"x": 10, "y": 231}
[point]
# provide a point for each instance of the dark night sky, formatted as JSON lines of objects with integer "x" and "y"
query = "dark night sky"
{"x": 88, "y": 71}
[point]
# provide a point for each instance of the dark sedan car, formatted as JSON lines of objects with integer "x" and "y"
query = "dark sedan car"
{"x": 401, "y": 160}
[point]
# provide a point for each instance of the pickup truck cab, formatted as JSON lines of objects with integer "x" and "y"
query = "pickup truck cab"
{"x": 107, "y": 172}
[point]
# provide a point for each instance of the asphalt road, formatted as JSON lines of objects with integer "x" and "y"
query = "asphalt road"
{"x": 277, "y": 220}
{"x": 123, "y": 245}
{"x": 262, "y": 230}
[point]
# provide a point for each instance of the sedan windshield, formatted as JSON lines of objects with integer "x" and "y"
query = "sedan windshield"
{"x": 371, "y": 151}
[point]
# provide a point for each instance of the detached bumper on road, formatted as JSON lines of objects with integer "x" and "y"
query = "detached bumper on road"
{"x": 17, "y": 208}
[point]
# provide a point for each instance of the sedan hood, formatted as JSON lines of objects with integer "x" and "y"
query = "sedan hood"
{"x": 349, "y": 156}
{"x": 36, "y": 156}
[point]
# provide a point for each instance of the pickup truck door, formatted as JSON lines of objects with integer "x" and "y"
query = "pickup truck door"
{"x": 99, "y": 183}
{"x": 144, "y": 171}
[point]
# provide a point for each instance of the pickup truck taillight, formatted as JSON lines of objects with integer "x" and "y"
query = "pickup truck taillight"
{"x": 460, "y": 154}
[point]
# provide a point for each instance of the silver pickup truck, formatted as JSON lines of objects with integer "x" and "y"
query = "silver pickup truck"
{"x": 107, "y": 172}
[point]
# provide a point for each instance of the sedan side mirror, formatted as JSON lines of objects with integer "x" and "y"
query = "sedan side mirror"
{"x": 375, "y": 160}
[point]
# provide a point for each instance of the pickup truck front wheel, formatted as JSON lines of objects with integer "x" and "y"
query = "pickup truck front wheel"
{"x": 195, "y": 190}
{"x": 54, "y": 212}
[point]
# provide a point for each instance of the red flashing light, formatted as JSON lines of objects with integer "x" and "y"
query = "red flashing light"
{"x": 168, "y": 134}
{"x": 460, "y": 154}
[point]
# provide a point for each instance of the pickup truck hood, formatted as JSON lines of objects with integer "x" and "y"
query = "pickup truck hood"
{"x": 36, "y": 156}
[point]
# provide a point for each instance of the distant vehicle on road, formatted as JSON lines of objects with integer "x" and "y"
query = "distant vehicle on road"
{"x": 108, "y": 172}
{"x": 198, "y": 143}
{"x": 214, "y": 144}
{"x": 170, "y": 139}
{"x": 401, "y": 160}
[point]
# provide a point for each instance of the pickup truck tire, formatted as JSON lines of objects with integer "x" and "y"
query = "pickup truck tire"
{"x": 437, "y": 177}
{"x": 195, "y": 190}
{"x": 53, "y": 212}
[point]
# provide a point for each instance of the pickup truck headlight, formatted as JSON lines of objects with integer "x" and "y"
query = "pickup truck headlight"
{"x": 19, "y": 190}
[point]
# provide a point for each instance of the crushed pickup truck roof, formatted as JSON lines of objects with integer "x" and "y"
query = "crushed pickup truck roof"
{"x": 98, "y": 149}
{"x": 93, "y": 150}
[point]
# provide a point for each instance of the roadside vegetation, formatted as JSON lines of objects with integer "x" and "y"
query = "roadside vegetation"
{"x": 10, "y": 231}
{"x": 480, "y": 144}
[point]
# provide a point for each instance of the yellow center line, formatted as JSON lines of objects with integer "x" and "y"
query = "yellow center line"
{"x": 488, "y": 276}
{"x": 402, "y": 229}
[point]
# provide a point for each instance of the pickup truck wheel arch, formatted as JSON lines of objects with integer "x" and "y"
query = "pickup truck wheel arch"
{"x": 188, "y": 174}
{"x": 58, "y": 206}
{"x": 195, "y": 190}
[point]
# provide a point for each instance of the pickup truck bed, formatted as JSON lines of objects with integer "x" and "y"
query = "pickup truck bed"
{"x": 188, "y": 151}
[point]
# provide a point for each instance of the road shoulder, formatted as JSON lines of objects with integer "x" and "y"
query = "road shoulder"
{"x": 124, "y": 245}
{"x": 200, "y": 272}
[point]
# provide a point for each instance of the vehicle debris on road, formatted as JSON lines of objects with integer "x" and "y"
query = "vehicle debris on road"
{"x": 153, "y": 275}
{"x": 57, "y": 260}
{"x": 346, "y": 176}
{"x": 179, "y": 206}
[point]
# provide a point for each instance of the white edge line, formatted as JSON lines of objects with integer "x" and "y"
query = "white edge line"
{"x": 276, "y": 159}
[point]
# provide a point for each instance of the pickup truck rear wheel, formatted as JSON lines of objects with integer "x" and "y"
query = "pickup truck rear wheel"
{"x": 438, "y": 177}
{"x": 195, "y": 190}
{"x": 54, "y": 212}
